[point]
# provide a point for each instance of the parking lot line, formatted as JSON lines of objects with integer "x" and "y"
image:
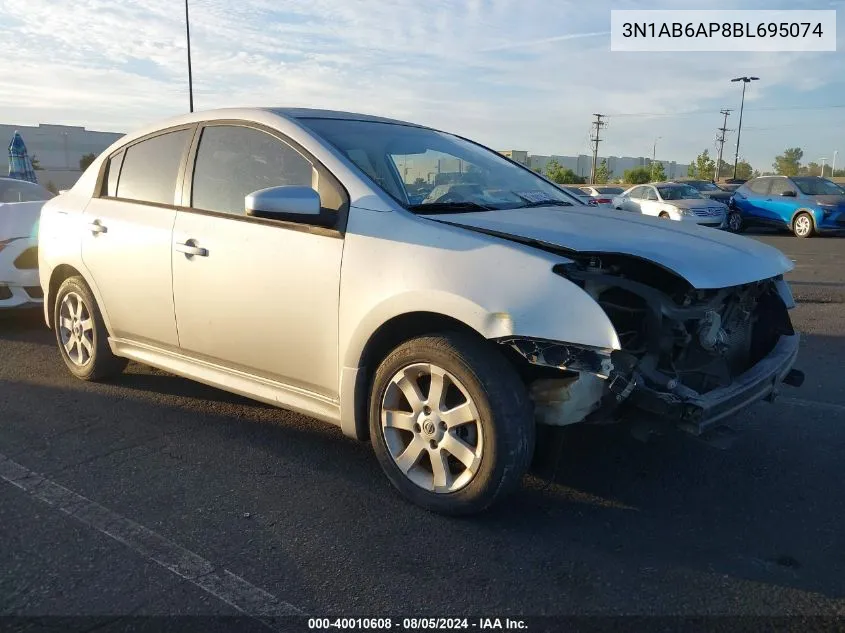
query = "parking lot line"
{"x": 221, "y": 583}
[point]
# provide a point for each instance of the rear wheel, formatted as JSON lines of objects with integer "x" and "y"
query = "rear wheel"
{"x": 803, "y": 225}
{"x": 81, "y": 334}
{"x": 664, "y": 215}
{"x": 451, "y": 423}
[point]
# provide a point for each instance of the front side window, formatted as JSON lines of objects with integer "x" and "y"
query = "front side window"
{"x": 649, "y": 193}
{"x": 425, "y": 170}
{"x": 235, "y": 161}
{"x": 22, "y": 191}
{"x": 150, "y": 168}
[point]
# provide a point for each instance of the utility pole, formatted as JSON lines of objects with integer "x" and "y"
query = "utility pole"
{"x": 833, "y": 164}
{"x": 598, "y": 124}
{"x": 190, "y": 77}
{"x": 745, "y": 81}
{"x": 654, "y": 155}
{"x": 721, "y": 142}
{"x": 823, "y": 160}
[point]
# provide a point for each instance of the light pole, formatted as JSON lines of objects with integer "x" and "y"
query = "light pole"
{"x": 744, "y": 80}
{"x": 654, "y": 155}
{"x": 833, "y": 164}
{"x": 821, "y": 172}
{"x": 190, "y": 77}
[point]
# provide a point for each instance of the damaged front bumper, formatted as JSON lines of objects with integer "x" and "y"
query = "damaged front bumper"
{"x": 696, "y": 412}
{"x": 602, "y": 386}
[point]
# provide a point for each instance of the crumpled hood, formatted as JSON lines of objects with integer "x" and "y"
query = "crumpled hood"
{"x": 19, "y": 219}
{"x": 705, "y": 257}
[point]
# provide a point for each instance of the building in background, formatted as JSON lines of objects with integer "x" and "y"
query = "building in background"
{"x": 581, "y": 164}
{"x": 59, "y": 148}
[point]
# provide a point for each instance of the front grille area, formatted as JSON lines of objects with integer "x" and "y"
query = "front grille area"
{"x": 709, "y": 212}
{"x": 5, "y": 293}
{"x": 34, "y": 292}
{"x": 28, "y": 260}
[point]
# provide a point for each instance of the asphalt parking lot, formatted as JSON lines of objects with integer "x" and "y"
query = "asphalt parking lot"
{"x": 284, "y": 513}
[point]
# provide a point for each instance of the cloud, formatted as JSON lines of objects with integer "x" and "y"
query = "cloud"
{"x": 511, "y": 73}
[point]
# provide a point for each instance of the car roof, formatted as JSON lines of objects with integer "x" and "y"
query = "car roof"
{"x": 315, "y": 113}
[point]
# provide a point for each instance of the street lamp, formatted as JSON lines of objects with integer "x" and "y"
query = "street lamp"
{"x": 654, "y": 155}
{"x": 823, "y": 161}
{"x": 744, "y": 80}
{"x": 833, "y": 164}
{"x": 188, "y": 39}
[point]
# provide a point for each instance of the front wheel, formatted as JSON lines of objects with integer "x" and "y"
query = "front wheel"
{"x": 803, "y": 226}
{"x": 735, "y": 222}
{"x": 451, "y": 423}
{"x": 81, "y": 333}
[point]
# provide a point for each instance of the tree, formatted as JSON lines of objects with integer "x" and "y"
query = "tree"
{"x": 36, "y": 164}
{"x": 743, "y": 170}
{"x": 788, "y": 163}
{"x": 86, "y": 161}
{"x": 704, "y": 166}
{"x": 657, "y": 172}
{"x": 637, "y": 176}
{"x": 562, "y": 175}
{"x": 602, "y": 172}
{"x": 691, "y": 170}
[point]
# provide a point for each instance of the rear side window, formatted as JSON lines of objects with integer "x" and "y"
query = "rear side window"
{"x": 636, "y": 193}
{"x": 779, "y": 185}
{"x": 234, "y": 161}
{"x": 112, "y": 173}
{"x": 760, "y": 185}
{"x": 150, "y": 168}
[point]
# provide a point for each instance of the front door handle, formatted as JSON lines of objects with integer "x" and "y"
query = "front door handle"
{"x": 97, "y": 227}
{"x": 190, "y": 248}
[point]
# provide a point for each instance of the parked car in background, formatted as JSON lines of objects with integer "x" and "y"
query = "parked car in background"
{"x": 731, "y": 184}
{"x": 602, "y": 195}
{"x": 806, "y": 205}
{"x": 709, "y": 190}
{"x": 576, "y": 193}
{"x": 275, "y": 253}
{"x": 673, "y": 201}
{"x": 20, "y": 207}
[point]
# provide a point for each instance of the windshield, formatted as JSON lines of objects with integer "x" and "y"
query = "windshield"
{"x": 608, "y": 191}
{"x": 426, "y": 171}
{"x": 22, "y": 191}
{"x": 818, "y": 187}
{"x": 678, "y": 192}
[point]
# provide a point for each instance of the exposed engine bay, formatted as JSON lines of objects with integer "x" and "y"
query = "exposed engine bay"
{"x": 688, "y": 355}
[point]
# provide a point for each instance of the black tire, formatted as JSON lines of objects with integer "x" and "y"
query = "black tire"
{"x": 101, "y": 363}
{"x": 800, "y": 217}
{"x": 665, "y": 216}
{"x": 505, "y": 417}
{"x": 735, "y": 223}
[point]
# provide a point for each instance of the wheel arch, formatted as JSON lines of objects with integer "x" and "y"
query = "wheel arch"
{"x": 381, "y": 342}
{"x": 801, "y": 210}
{"x": 58, "y": 275}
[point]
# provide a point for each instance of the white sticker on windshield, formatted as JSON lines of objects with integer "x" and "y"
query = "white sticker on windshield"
{"x": 533, "y": 196}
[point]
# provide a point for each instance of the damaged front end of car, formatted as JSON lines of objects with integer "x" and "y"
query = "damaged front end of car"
{"x": 688, "y": 356}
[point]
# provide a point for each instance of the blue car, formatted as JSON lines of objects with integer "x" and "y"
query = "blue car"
{"x": 806, "y": 205}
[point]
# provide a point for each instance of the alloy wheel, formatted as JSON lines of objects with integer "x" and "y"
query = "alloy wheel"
{"x": 803, "y": 225}
{"x": 76, "y": 329}
{"x": 432, "y": 428}
{"x": 734, "y": 222}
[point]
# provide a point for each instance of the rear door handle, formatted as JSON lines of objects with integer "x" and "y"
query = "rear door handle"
{"x": 190, "y": 248}
{"x": 97, "y": 227}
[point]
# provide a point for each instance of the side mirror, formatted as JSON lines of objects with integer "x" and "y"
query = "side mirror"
{"x": 788, "y": 194}
{"x": 290, "y": 203}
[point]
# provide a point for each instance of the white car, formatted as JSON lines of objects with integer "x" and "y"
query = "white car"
{"x": 673, "y": 201}
{"x": 275, "y": 253}
{"x": 20, "y": 207}
{"x": 602, "y": 195}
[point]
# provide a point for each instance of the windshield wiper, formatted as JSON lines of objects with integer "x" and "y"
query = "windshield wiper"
{"x": 433, "y": 208}
{"x": 546, "y": 203}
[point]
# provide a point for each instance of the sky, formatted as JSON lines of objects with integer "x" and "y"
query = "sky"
{"x": 511, "y": 74}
